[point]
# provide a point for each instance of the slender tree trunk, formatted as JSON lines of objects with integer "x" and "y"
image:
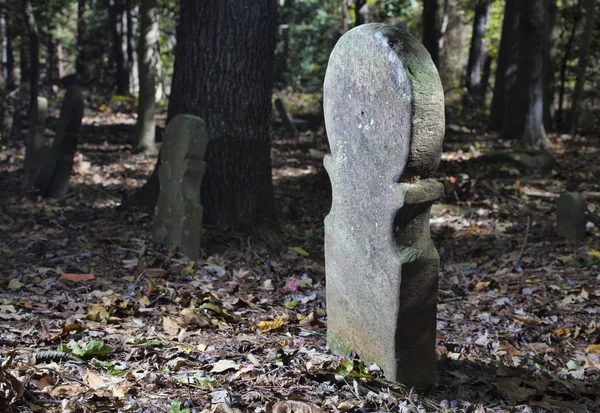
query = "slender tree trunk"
{"x": 477, "y": 50}
{"x": 431, "y": 32}
{"x": 146, "y": 122}
{"x": 485, "y": 77}
{"x": 53, "y": 63}
{"x": 4, "y": 49}
{"x": 549, "y": 65}
{"x": 118, "y": 28}
{"x": 584, "y": 52}
{"x": 358, "y": 17}
{"x": 525, "y": 121}
{"x": 80, "y": 63}
{"x": 223, "y": 73}
{"x": 506, "y": 68}
{"x": 563, "y": 68}
{"x": 132, "y": 67}
{"x": 34, "y": 52}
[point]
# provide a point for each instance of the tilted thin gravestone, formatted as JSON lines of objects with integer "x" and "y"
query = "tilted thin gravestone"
{"x": 384, "y": 115}
{"x": 570, "y": 216}
{"x": 178, "y": 213}
{"x": 35, "y": 140}
{"x": 53, "y": 179}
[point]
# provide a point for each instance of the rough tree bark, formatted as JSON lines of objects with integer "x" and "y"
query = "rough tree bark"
{"x": 584, "y": 52}
{"x": 477, "y": 50}
{"x": 525, "y": 121}
{"x": 146, "y": 122}
{"x": 223, "y": 73}
{"x": 506, "y": 68}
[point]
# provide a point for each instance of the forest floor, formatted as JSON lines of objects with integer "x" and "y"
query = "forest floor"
{"x": 95, "y": 317}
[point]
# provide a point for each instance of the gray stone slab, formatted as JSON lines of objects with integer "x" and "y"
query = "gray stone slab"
{"x": 384, "y": 115}
{"x": 570, "y": 216}
{"x": 178, "y": 213}
{"x": 35, "y": 140}
{"x": 57, "y": 162}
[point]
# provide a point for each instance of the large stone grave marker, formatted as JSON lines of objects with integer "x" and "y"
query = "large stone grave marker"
{"x": 384, "y": 115}
{"x": 178, "y": 213}
{"x": 53, "y": 178}
{"x": 35, "y": 140}
{"x": 570, "y": 216}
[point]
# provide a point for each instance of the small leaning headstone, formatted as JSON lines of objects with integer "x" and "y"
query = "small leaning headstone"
{"x": 53, "y": 179}
{"x": 35, "y": 140}
{"x": 384, "y": 115}
{"x": 570, "y": 216}
{"x": 178, "y": 212}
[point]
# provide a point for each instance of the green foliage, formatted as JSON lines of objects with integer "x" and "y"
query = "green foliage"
{"x": 178, "y": 407}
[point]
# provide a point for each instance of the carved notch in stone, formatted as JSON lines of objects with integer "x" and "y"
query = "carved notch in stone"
{"x": 384, "y": 115}
{"x": 178, "y": 213}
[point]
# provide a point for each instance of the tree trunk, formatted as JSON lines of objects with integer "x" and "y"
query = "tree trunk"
{"x": 358, "y": 17}
{"x": 34, "y": 53}
{"x": 6, "y": 54}
{"x": 565, "y": 61}
{"x": 431, "y": 30}
{"x": 80, "y": 66}
{"x": 584, "y": 53}
{"x": 549, "y": 65}
{"x": 525, "y": 121}
{"x": 53, "y": 74}
{"x": 477, "y": 50}
{"x": 146, "y": 123}
{"x": 506, "y": 68}
{"x": 223, "y": 73}
{"x": 118, "y": 28}
{"x": 131, "y": 61}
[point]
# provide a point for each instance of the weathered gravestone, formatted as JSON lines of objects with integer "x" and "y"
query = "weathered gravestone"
{"x": 384, "y": 115}
{"x": 570, "y": 216}
{"x": 53, "y": 178}
{"x": 178, "y": 213}
{"x": 35, "y": 140}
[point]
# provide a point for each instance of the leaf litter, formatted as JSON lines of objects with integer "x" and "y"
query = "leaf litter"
{"x": 97, "y": 317}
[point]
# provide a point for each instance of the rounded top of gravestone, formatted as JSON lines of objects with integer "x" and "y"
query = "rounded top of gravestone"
{"x": 384, "y": 103}
{"x": 187, "y": 138}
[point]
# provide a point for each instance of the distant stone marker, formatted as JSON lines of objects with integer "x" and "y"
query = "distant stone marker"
{"x": 35, "y": 140}
{"x": 570, "y": 216}
{"x": 53, "y": 179}
{"x": 178, "y": 213}
{"x": 384, "y": 114}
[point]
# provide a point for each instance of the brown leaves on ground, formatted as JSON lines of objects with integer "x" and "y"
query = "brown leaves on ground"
{"x": 243, "y": 329}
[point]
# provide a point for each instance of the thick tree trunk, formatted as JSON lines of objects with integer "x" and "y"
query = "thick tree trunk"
{"x": 477, "y": 50}
{"x": 525, "y": 121}
{"x": 549, "y": 64}
{"x": 506, "y": 69}
{"x": 431, "y": 30}
{"x": 80, "y": 63}
{"x": 118, "y": 28}
{"x": 584, "y": 52}
{"x": 223, "y": 73}
{"x": 146, "y": 123}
